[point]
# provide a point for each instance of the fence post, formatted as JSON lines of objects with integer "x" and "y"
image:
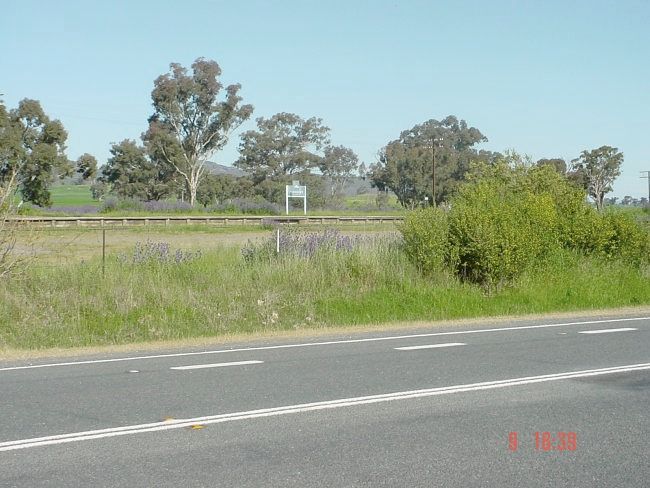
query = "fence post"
{"x": 103, "y": 252}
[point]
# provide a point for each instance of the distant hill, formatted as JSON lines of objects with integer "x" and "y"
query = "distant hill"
{"x": 355, "y": 186}
{"x": 220, "y": 169}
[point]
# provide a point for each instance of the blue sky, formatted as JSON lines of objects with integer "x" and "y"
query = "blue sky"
{"x": 546, "y": 78}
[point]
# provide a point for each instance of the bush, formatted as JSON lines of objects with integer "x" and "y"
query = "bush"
{"x": 162, "y": 206}
{"x": 508, "y": 219}
{"x": 297, "y": 243}
{"x": 248, "y": 206}
{"x": 426, "y": 239}
{"x": 498, "y": 233}
{"x": 614, "y": 235}
{"x": 150, "y": 252}
{"x": 505, "y": 220}
{"x": 112, "y": 204}
{"x": 627, "y": 239}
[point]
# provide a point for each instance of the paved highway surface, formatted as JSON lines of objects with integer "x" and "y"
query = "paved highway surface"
{"x": 449, "y": 407}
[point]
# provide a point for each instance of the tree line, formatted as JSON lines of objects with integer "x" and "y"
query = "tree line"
{"x": 428, "y": 162}
{"x": 193, "y": 118}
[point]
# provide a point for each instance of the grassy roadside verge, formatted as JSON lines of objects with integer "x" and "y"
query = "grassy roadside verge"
{"x": 314, "y": 334}
{"x": 220, "y": 295}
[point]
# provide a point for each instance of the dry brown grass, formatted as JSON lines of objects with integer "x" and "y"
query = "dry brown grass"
{"x": 63, "y": 246}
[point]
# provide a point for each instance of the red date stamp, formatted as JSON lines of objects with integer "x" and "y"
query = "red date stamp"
{"x": 546, "y": 441}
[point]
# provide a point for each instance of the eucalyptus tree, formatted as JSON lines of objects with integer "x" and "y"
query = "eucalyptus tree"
{"x": 86, "y": 166}
{"x": 598, "y": 169}
{"x": 427, "y": 161}
{"x": 558, "y": 164}
{"x": 130, "y": 172}
{"x": 32, "y": 150}
{"x": 191, "y": 121}
{"x": 283, "y": 145}
{"x": 339, "y": 164}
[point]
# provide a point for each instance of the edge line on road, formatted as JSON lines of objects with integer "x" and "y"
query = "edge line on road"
{"x": 307, "y": 407}
{"x": 324, "y": 343}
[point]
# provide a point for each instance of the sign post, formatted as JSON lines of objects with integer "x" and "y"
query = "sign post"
{"x": 296, "y": 191}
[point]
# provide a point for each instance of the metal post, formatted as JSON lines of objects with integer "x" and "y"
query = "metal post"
{"x": 103, "y": 253}
{"x": 277, "y": 241}
{"x": 305, "y": 202}
{"x": 647, "y": 175}
{"x": 286, "y": 198}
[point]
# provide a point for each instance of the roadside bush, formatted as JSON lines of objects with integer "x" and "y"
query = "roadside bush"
{"x": 498, "y": 233}
{"x": 626, "y": 239}
{"x": 426, "y": 239}
{"x": 613, "y": 235}
{"x": 508, "y": 219}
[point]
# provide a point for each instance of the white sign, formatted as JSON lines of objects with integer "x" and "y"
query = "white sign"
{"x": 296, "y": 191}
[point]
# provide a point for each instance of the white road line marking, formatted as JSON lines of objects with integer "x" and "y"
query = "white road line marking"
{"x": 430, "y": 346}
{"x": 605, "y": 331}
{"x": 324, "y": 343}
{"x": 308, "y": 407}
{"x": 215, "y": 365}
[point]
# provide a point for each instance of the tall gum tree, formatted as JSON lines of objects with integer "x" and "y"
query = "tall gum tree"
{"x": 190, "y": 122}
{"x": 32, "y": 150}
{"x": 598, "y": 169}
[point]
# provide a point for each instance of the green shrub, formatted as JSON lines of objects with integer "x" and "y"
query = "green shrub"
{"x": 505, "y": 220}
{"x": 627, "y": 239}
{"x": 614, "y": 235}
{"x": 498, "y": 233}
{"x": 426, "y": 239}
{"x": 584, "y": 230}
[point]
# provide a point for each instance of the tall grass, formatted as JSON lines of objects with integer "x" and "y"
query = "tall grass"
{"x": 219, "y": 293}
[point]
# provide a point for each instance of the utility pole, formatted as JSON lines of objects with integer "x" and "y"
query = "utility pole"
{"x": 647, "y": 176}
{"x": 433, "y": 169}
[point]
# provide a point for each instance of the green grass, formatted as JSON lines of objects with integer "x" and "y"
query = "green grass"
{"x": 72, "y": 195}
{"x": 219, "y": 294}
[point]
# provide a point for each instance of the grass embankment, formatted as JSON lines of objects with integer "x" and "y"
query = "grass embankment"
{"x": 221, "y": 294}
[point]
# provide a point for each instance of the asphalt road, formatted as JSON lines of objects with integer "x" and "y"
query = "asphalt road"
{"x": 434, "y": 407}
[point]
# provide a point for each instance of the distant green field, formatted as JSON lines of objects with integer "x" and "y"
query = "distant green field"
{"x": 72, "y": 195}
{"x": 366, "y": 204}
{"x": 369, "y": 200}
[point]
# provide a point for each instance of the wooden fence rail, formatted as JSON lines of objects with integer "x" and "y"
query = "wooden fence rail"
{"x": 57, "y": 222}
